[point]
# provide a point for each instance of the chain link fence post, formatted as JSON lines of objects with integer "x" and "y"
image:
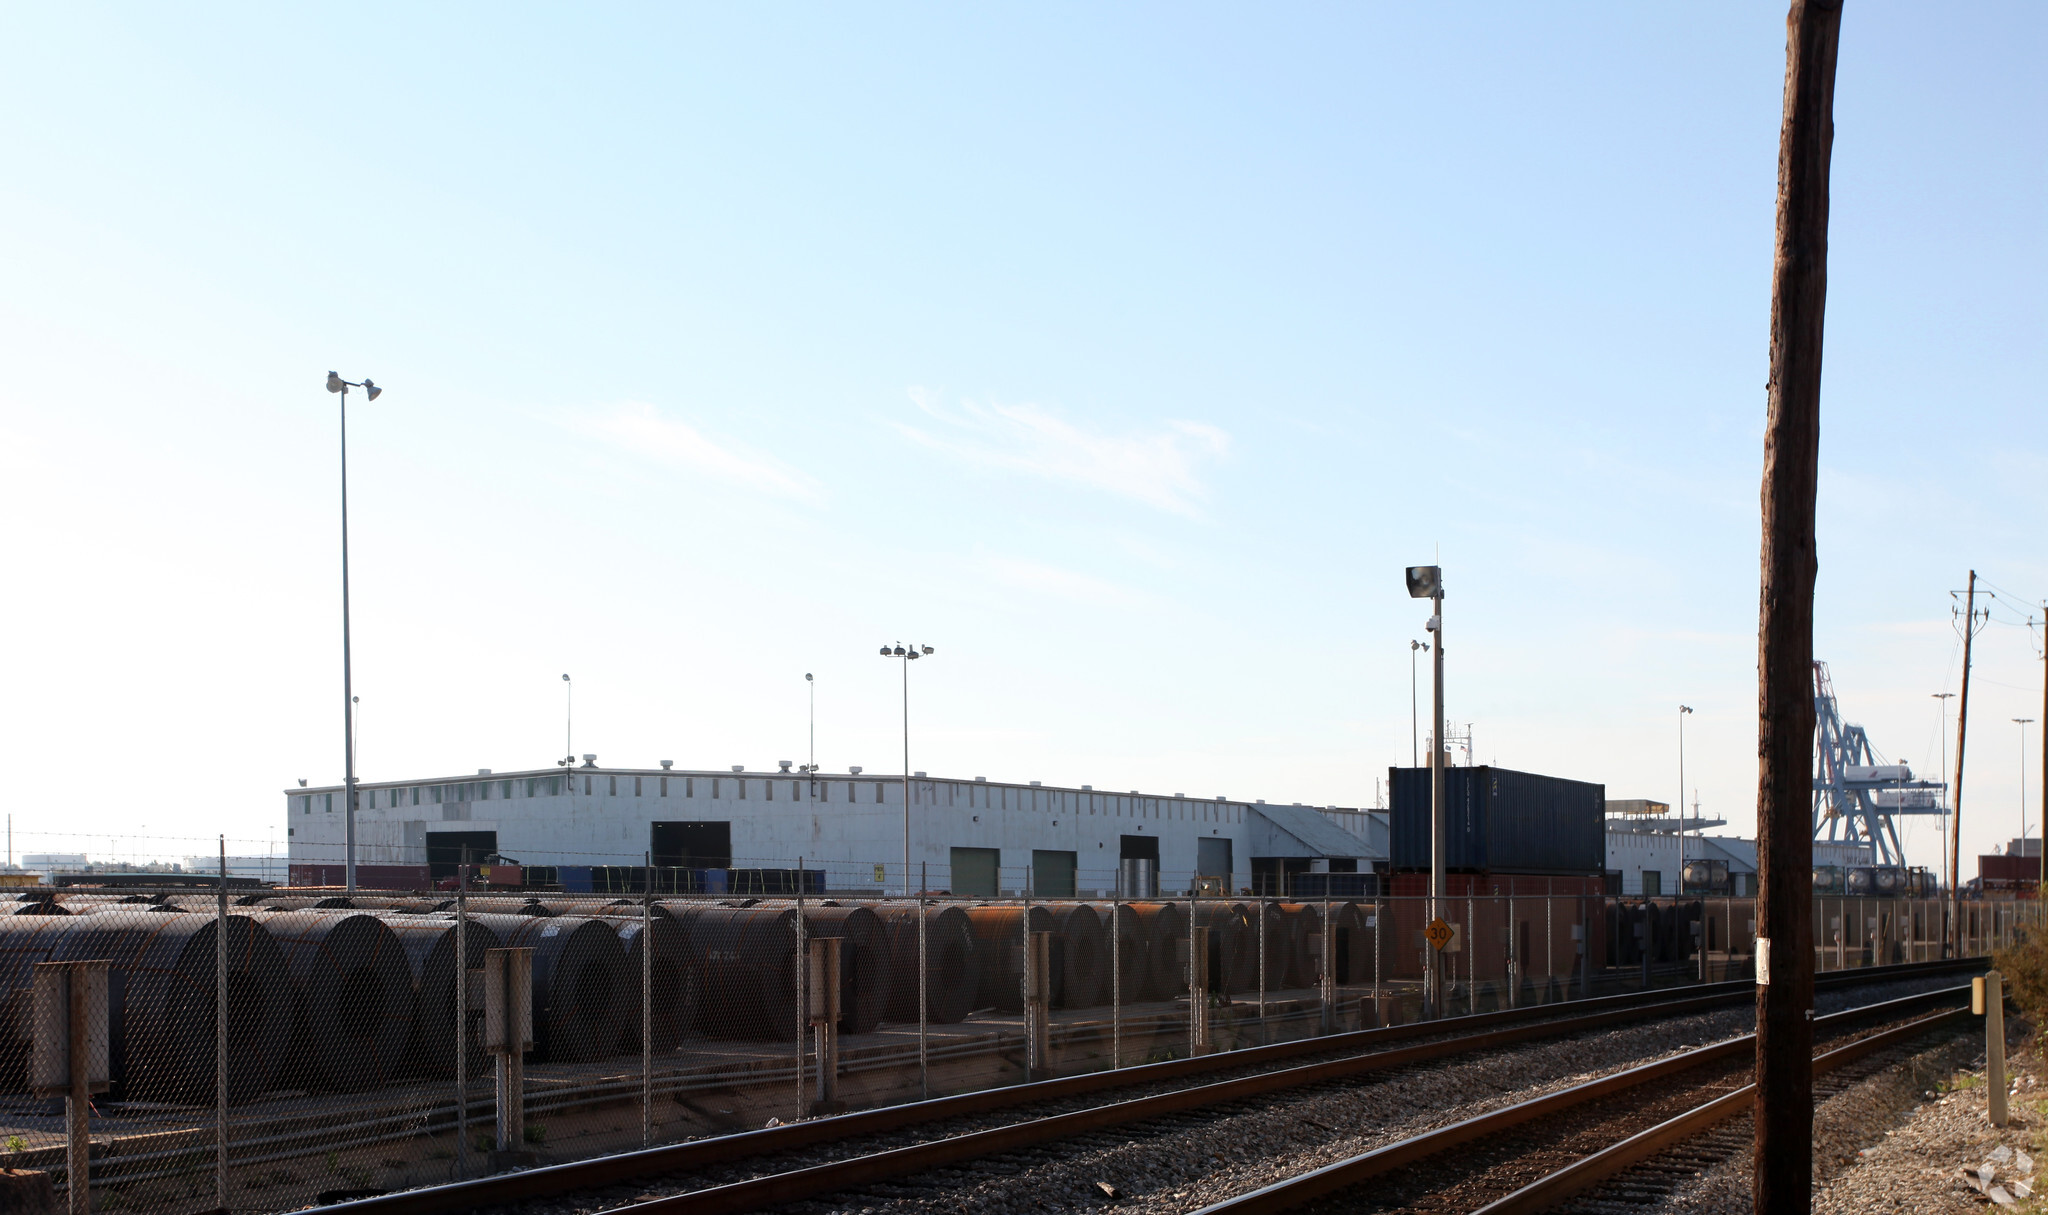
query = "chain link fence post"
{"x": 924, "y": 994}
{"x": 220, "y": 1034}
{"x": 462, "y": 998}
{"x": 803, "y": 995}
{"x": 647, "y": 1007}
{"x": 1117, "y": 978}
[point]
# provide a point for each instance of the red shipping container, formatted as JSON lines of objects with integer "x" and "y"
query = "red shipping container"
{"x": 368, "y": 877}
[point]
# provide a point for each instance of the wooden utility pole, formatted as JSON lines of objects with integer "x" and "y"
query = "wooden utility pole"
{"x": 1955, "y": 836}
{"x": 1783, "y": 1177}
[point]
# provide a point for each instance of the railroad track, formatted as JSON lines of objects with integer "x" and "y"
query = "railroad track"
{"x": 1633, "y": 1114}
{"x": 877, "y": 1151}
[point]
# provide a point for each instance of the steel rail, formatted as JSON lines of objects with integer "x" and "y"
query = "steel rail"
{"x": 1583, "y": 1174}
{"x": 1319, "y": 1183}
{"x": 1526, "y": 1024}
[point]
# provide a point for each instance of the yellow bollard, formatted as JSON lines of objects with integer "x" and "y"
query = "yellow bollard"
{"x": 1994, "y": 1046}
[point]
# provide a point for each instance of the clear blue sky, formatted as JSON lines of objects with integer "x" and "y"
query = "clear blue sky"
{"x": 1125, "y": 356}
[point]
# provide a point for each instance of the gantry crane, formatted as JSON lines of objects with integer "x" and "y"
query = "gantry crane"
{"x": 1855, "y": 797}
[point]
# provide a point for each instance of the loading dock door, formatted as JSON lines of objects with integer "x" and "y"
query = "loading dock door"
{"x": 1052, "y": 874}
{"x": 1212, "y": 859}
{"x": 691, "y": 845}
{"x": 975, "y": 870}
{"x": 445, "y": 850}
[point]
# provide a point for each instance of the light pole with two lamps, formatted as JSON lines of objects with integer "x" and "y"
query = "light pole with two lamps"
{"x": 1427, "y": 582}
{"x": 348, "y": 700}
{"x": 907, "y": 654}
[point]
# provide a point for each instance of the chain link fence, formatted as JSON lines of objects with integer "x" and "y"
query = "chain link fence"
{"x": 268, "y": 1049}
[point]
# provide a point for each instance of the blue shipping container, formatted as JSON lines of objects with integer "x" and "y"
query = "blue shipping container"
{"x": 1500, "y": 821}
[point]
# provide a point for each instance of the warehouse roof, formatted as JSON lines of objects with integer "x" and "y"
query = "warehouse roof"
{"x": 1302, "y": 831}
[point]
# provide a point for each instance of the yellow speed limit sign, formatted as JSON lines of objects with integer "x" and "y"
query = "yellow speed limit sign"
{"x": 1438, "y": 934}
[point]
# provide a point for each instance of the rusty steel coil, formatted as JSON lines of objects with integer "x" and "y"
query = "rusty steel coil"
{"x": 1162, "y": 927}
{"x": 746, "y": 965}
{"x": 952, "y": 962}
{"x": 355, "y": 996}
{"x": 999, "y": 937}
{"x": 579, "y": 982}
{"x": 660, "y": 948}
{"x": 429, "y": 945}
{"x": 161, "y": 986}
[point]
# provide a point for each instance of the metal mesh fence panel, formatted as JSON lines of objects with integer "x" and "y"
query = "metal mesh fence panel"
{"x": 384, "y": 1040}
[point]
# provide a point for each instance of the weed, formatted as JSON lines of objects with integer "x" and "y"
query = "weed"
{"x": 16, "y": 1143}
{"x": 536, "y": 1133}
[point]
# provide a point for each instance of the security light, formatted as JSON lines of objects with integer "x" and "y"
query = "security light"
{"x": 334, "y": 382}
{"x": 370, "y": 388}
{"x": 1424, "y": 581}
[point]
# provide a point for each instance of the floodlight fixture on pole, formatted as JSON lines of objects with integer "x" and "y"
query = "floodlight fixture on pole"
{"x": 1427, "y": 582}
{"x": 907, "y": 654}
{"x": 1685, "y": 711}
{"x": 336, "y": 384}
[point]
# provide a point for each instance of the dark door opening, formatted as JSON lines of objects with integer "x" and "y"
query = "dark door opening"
{"x": 1271, "y": 874}
{"x": 691, "y": 845}
{"x": 1139, "y": 848}
{"x": 446, "y": 850}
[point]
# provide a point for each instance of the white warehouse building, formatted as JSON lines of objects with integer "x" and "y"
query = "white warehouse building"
{"x": 969, "y": 836}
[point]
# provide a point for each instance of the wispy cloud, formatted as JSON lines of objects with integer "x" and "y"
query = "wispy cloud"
{"x": 1039, "y": 578}
{"x": 643, "y": 431}
{"x": 1161, "y": 467}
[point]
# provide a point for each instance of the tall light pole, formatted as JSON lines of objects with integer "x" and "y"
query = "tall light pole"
{"x": 907, "y": 654}
{"x": 811, "y": 686}
{"x": 568, "y": 721}
{"x": 348, "y": 704}
{"x": 1427, "y": 582}
{"x": 1941, "y": 866}
{"x": 2023, "y": 723}
{"x": 1684, "y": 711}
{"x": 1414, "y": 723}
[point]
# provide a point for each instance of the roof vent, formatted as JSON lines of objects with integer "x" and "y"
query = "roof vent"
{"x": 483, "y": 771}
{"x": 666, "y": 764}
{"x": 1221, "y": 798}
{"x": 1034, "y": 784}
{"x": 1088, "y": 788}
{"x": 855, "y": 769}
{"x": 1180, "y": 795}
{"x": 981, "y": 780}
{"x": 919, "y": 775}
{"x": 784, "y": 764}
{"x": 590, "y": 761}
{"x": 739, "y": 767}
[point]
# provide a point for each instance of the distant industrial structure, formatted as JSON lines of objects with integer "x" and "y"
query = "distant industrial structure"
{"x": 969, "y": 836}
